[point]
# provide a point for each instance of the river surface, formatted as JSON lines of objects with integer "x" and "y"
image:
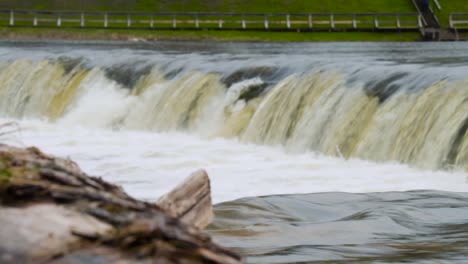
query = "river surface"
{"x": 340, "y": 152}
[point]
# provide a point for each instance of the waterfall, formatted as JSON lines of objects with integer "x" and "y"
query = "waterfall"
{"x": 383, "y": 118}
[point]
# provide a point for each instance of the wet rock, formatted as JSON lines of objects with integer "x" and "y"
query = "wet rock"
{"x": 128, "y": 74}
{"x": 266, "y": 73}
{"x": 385, "y": 88}
{"x": 69, "y": 64}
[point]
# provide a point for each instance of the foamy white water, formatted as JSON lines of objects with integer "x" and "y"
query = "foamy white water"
{"x": 148, "y": 164}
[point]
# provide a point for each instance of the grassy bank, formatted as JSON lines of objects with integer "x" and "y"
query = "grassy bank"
{"x": 450, "y": 6}
{"x": 262, "y": 6}
{"x": 247, "y": 6}
{"x": 187, "y": 35}
{"x": 240, "y": 6}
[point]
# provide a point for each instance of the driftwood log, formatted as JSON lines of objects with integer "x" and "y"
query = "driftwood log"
{"x": 52, "y": 212}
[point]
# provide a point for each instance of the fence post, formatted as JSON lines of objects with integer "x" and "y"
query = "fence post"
{"x": 59, "y": 20}
{"x": 82, "y": 20}
{"x": 220, "y": 23}
{"x": 288, "y": 21}
{"x": 398, "y": 24}
{"x": 152, "y": 22}
{"x": 106, "y": 22}
{"x": 129, "y": 21}
{"x": 243, "y": 22}
{"x": 197, "y": 23}
{"x": 310, "y": 21}
{"x": 451, "y": 21}
{"x": 35, "y": 20}
{"x": 354, "y": 22}
{"x": 332, "y": 21}
{"x": 12, "y": 18}
{"x": 376, "y": 22}
{"x": 174, "y": 22}
{"x": 266, "y": 22}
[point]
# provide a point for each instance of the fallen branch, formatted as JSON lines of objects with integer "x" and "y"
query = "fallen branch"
{"x": 50, "y": 211}
{"x": 190, "y": 201}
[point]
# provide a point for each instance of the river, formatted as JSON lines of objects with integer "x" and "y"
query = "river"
{"x": 352, "y": 152}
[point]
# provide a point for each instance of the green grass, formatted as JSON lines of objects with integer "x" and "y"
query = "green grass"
{"x": 450, "y": 6}
{"x": 243, "y": 6}
{"x": 238, "y": 6}
{"x": 209, "y": 35}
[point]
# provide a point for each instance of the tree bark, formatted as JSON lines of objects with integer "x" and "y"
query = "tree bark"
{"x": 190, "y": 201}
{"x": 52, "y": 212}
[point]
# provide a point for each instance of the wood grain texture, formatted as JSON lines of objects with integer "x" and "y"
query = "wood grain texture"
{"x": 190, "y": 201}
{"x": 52, "y": 212}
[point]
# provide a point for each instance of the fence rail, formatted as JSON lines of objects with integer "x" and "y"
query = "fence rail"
{"x": 458, "y": 20}
{"x": 437, "y": 5}
{"x": 204, "y": 20}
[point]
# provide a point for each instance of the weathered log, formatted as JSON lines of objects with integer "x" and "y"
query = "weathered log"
{"x": 190, "y": 201}
{"x": 51, "y": 212}
{"x": 40, "y": 230}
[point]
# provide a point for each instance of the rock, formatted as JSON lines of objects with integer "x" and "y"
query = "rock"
{"x": 264, "y": 72}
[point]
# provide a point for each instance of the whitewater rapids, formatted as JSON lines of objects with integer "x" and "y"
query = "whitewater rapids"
{"x": 262, "y": 119}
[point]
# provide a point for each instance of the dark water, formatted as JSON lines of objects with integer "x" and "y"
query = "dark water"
{"x": 392, "y": 227}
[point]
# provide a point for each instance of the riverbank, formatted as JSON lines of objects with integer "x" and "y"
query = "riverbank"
{"x": 252, "y": 6}
{"x": 197, "y": 35}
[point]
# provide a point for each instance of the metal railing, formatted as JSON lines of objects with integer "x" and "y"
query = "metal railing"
{"x": 458, "y": 20}
{"x": 203, "y": 20}
{"x": 437, "y": 5}
{"x": 436, "y": 9}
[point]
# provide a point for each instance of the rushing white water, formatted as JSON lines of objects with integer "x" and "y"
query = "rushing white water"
{"x": 264, "y": 121}
{"x": 149, "y": 164}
